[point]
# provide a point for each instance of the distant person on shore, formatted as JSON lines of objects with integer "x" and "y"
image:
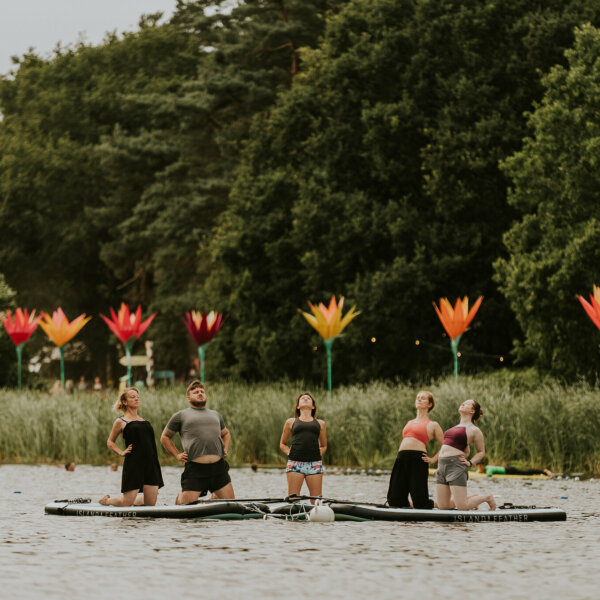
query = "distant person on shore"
{"x": 411, "y": 469}
{"x": 70, "y": 466}
{"x": 453, "y": 464}
{"x": 97, "y": 387}
{"x": 491, "y": 470}
{"x": 205, "y": 441}
{"x": 69, "y": 386}
{"x": 56, "y": 387}
{"x": 82, "y": 386}
{"x": 141, "y": 469}
{"x": 307, "y": 446}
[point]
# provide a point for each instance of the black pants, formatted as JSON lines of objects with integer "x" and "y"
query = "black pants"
{"x": 409, "y": 476}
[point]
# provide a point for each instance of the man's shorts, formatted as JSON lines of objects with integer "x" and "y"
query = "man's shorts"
{"x": 314, "y": 467}
{"x": 204, "y": 478}
{"x": 451, "y": 471}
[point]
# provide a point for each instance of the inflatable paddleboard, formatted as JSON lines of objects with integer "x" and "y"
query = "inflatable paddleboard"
{"x": 344, "y": 511}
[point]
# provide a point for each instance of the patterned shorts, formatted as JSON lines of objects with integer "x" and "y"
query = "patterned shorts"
{"x": 314, "y": 467}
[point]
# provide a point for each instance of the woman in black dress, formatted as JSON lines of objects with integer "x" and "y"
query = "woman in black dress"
{"x": 141, "y": 469}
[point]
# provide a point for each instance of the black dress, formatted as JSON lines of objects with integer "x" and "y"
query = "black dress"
{"x": 141, "y": 466}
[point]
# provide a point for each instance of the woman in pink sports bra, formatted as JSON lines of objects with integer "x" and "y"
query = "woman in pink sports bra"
{"x": 452, "y": 472}
{"x": 411, "y": 469}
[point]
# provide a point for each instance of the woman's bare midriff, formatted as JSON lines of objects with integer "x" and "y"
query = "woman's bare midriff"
{"x": 450, "y": 451}
{"x": 207, "y": 459}
{"x": 410, "y": 443}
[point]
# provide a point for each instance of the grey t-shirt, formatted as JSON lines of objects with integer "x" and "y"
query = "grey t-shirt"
{"x": 200, "y": 431}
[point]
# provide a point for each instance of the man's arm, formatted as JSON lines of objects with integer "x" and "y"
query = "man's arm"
{"x": 168, "y": 444}
{"x": 226, "y": 437}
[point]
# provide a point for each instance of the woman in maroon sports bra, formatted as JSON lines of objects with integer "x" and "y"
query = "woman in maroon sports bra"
{"x": 452, "y": 473}
{"x": 411, "y": 469}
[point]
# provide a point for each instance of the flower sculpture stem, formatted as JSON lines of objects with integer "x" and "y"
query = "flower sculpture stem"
{"x": 454, "y": 346}
{"x": 128, "y": 347}
{"x": 62, "y": 368}
{"x": 19, "y": 354}
{"x": 328, "y": 344}
{"x": 201, "y": 357}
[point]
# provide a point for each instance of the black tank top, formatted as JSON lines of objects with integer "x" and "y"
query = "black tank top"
{"x": 305, "y": 441}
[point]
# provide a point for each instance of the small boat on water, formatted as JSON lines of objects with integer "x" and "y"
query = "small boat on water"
{"x": 301, "y": 510}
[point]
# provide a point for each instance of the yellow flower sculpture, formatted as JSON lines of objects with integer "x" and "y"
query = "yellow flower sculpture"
{"x": 60, "y": 331}
{"x": 329, "y": 323}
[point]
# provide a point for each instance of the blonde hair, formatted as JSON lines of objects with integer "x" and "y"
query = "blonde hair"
{"x": 120, "y": 405}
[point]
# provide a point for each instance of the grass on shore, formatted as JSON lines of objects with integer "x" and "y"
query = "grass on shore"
{"x": 526, "y": 422}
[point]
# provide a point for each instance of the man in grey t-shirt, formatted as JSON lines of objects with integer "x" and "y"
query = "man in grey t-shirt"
{"x": 205, "y": 441}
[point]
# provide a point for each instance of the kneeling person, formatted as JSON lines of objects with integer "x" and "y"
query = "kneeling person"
{"x": 205, "y": 441}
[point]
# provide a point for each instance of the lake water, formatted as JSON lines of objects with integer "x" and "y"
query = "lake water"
{"x": 45, "y": 556}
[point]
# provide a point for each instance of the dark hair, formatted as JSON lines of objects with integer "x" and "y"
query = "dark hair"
{"x": 429, "y": 396}
{"x": 478, "y": 412}
{"x": 313, "y": 412}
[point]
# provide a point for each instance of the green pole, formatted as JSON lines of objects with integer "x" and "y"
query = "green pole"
{"x": 128, "y": 346}
{"x": 454, "y": 345}
{"x": 19, "y": 352}
{"x": 62, "y": 369}
{"x": 328, "y": 344}
{"x": 201, "y": 356}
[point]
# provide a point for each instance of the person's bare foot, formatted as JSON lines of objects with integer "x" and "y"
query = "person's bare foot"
{"x": 491, "y": 502}
{"x": 549, "y": 473}
{"x": 104, "y": 500}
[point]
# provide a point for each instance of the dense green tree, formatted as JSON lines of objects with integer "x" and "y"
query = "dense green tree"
{"x": 184, "y": 155}
{"x": 55, "y": 112}
{"x": 554, "y": 249}
{"x": 377, "y": 177}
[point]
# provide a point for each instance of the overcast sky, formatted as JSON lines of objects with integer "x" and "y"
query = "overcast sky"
{"x": 41, "y": 24}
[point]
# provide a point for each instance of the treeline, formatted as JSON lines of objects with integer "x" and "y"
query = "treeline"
{"x": 249, "y": 159}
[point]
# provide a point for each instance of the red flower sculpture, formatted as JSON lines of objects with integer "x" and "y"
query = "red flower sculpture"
{"x": 126, "y": 325}
{"x": 22, "y": 326}
{"x": 203, "y": 326}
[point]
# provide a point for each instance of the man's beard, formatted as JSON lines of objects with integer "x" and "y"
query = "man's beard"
{"x": 199, "y": 403}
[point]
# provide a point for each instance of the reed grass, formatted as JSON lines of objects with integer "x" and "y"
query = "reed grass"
{"x": 527, "y": 421}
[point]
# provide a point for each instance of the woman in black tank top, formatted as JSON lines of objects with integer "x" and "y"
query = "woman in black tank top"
{"x": 141, "y": 469}
{"x": 307, "y": 446}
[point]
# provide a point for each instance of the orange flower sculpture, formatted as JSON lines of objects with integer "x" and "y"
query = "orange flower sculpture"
{"x": 329, "y": 323}
{"x": 592, "y": 308}
{"x": 60, "y": 331}
{"x": 456, "y": 320}
{"x": 20, "y": 329}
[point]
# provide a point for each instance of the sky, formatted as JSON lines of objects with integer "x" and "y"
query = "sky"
{"x": 41, "y": 24}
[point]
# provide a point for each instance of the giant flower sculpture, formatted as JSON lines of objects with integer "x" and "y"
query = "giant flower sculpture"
{"x": 456, "y": 320}
{"x": 20, "y": 329}
{"x": 203, "y": 328}
{"x": 60, "y": 331}
{"x": 128, "y": 327}
{"x": 329, "y": 323}
{"x": 592, "y": 308}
